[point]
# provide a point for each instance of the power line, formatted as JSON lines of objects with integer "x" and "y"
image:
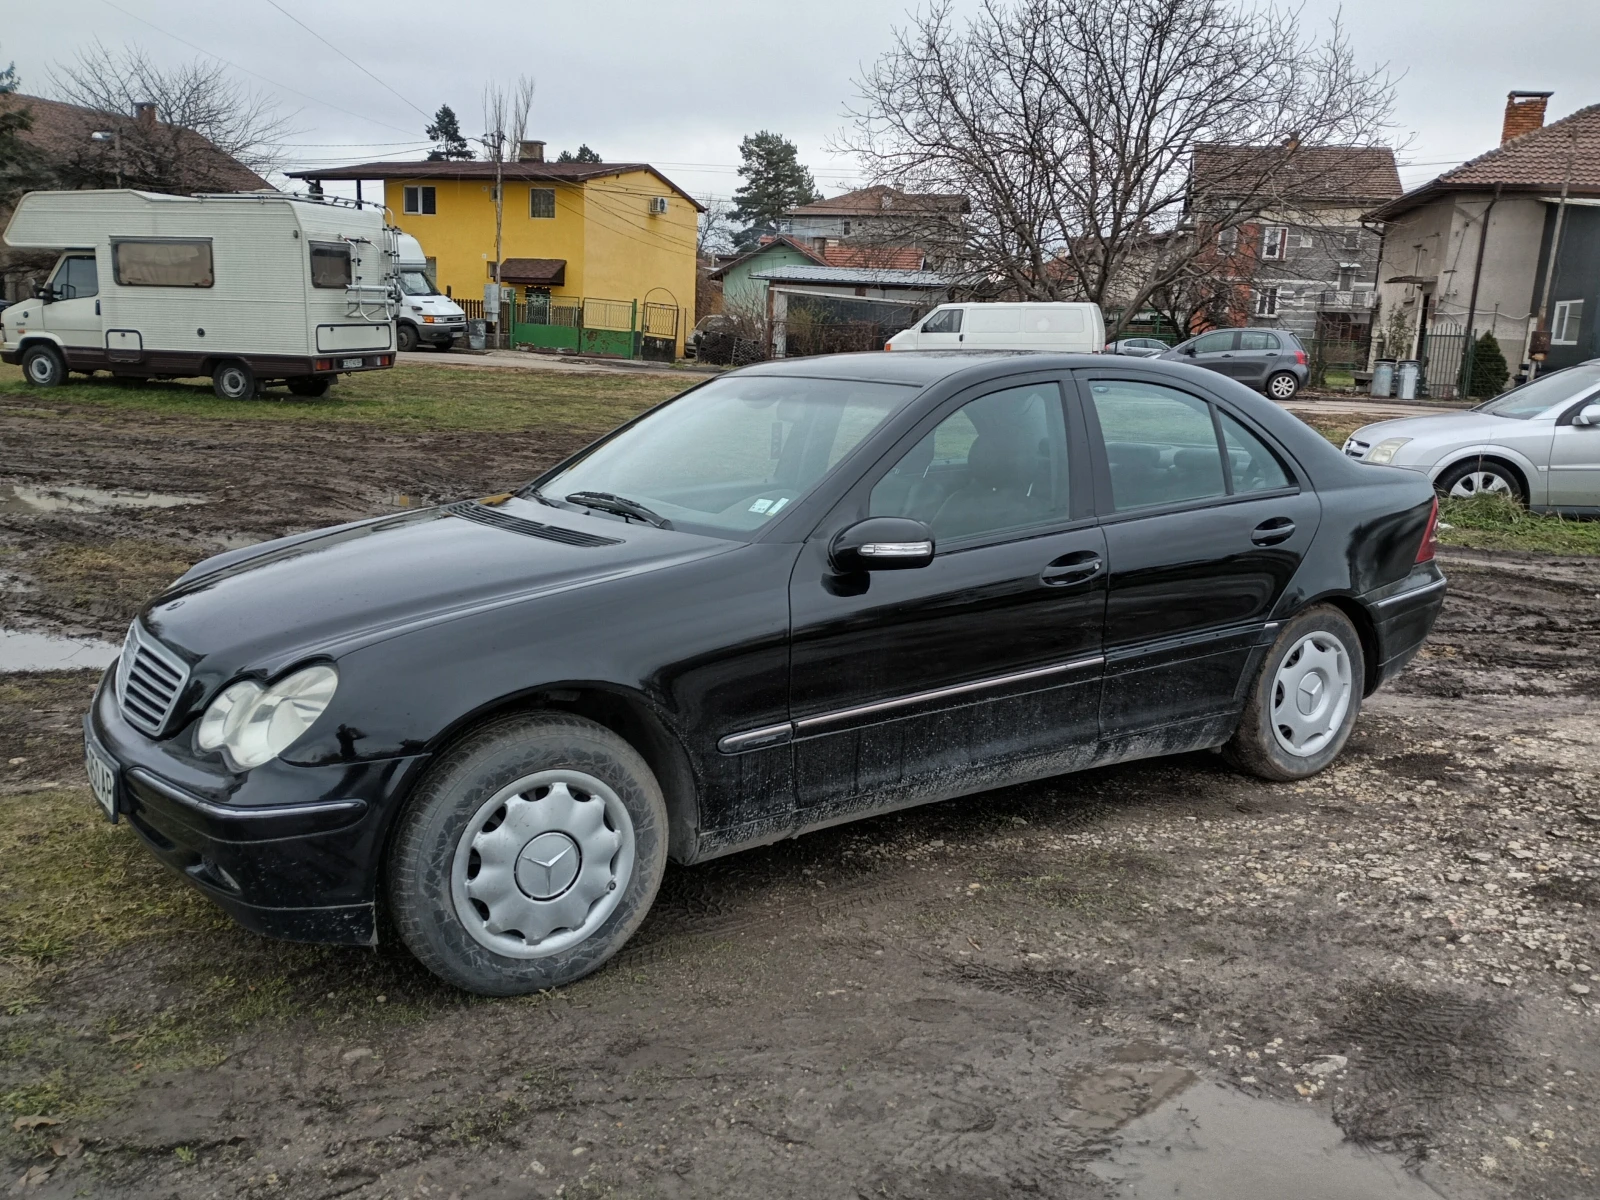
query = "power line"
{"x": 255, "y": 74}
{"x": 344, "y": 56}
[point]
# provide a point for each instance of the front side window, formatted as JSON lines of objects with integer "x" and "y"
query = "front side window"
{"x": 730, "y": 456}
{"x": 168, "y": 262}
{"x": 1160, "y": 444}
{"x": 330, "y": 265}
{"x": 994, "y": 465}
{"x": 542, "y": 202}
{"x": 76, "y": 278}
{"x": 1545, "y": 392}
{"x": 1568, "y": 320}
{"x": 420, "y": 200}
{"x": 946, "y": 320}
{"x": 1215, "y": 343}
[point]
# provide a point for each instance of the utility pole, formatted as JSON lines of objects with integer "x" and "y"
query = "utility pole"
{"x": 1543, "y": 325}
{"x": 494, "y": 142}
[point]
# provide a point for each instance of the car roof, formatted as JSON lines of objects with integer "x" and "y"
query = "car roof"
{"x": 915, "y": 367}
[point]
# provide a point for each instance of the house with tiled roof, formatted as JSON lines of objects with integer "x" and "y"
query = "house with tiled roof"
{"x": 1468, "y": 250}
{"x": 883, "y": 220}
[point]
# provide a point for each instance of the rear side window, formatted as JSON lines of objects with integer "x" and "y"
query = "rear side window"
{"x": 168, "y": 262}
{"x": 1160, "y": 444}
{"x": 330, "y": 265}
{"x": 948, "y": 321}
{"x": 1251, "y": 466}
{"x": 1257, "y": 340}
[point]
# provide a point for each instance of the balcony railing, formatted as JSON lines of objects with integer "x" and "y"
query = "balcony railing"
{"x": 1351, "y": 301}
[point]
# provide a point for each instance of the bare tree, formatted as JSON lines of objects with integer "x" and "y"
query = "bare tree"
{"x": 505, "y": 124}
{"x": 1070, "y": 126}
{"x": 235, "y": 125}
{"x": 713, "y": 234}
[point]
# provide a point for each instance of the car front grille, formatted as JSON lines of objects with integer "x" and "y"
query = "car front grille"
{"x": 150, "y": 680}
{"x": 1357, "y": 449}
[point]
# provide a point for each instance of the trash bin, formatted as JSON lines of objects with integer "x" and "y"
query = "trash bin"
{"x": 477, "y": 334}
{"x": 1407, "y": 371}
{"x": 1383, "y": 378}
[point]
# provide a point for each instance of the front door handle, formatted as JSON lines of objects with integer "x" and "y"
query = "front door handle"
{"x": 1079, "y": 567}
{"x": 1272, "y": 531}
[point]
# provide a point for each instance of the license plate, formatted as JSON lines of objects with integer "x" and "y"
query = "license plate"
{"x": 102, "y": 776}
{"x": 352, "y": 363}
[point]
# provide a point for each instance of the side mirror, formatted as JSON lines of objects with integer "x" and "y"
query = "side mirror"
{"x": 1589, "y": 414}
{"x": 44, "y": 292}
{"x": 882, "y": 544}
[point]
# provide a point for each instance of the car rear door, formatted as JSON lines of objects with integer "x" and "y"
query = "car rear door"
{"x": 915, "y": 684}
{"x": 1206, "y": 521}
{"x": 1256, "y": 356}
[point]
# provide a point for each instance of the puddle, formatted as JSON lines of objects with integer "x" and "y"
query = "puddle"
{"x": 24, "y": 651}
{"x": 21, "y": 498}
{"x": 1209, "y": 1142}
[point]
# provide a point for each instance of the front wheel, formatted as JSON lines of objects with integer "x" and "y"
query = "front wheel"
{"x": 1479, "y": 477}
{"x": 528, "y": 855}
{"x": 406, "y": 337}
{"x": 1283, "y": 385}
{"x": 233, "y": 381}
{"x": 1305, "y": 700}
{"x": 44, "y": 367}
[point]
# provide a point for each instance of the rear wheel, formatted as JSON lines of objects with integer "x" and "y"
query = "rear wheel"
{"x": 1283, "y": 385}
{"x": 529, "y": 855}
{"x": 406, "y": 337}
{"x": 311, "y": 385}
{"x": 43, "y": 366}
{"x": 1305, "y": 701}
{"x": 234, "y": 380}
{"x": 1480, "y": 477}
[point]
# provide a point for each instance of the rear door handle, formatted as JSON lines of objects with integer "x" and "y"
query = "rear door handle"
{"x": 1272, "y": 531}
{"x": 1079, "y": 567}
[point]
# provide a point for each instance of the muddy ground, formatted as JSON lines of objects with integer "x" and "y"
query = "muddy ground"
{"x": 977, "y": 999}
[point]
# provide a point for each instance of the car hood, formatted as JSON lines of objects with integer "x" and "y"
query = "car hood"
{"x": 434, "y": 306}
{"x": 1445, "y": 427}
{"x": 335, "y": 590}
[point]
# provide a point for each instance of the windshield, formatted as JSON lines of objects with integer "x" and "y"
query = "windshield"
{"x": 730, "y": 456}
{"x": 417, "y": 283}
{"x": 1545, "y": 392}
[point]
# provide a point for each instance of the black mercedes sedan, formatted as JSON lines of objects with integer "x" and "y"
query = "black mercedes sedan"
{"x": 795, "y": 595}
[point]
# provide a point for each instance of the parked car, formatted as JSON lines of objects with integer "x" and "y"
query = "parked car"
{"x": 795, "y": 595}
{"x": 1138, "y": 347}
{"x": 1269, "y": 360}
{"x": 427, "y": 316}
{"x": 1058, "y": 328}
{"x": 1538, "y": 444}
{"x": 711, "y": 326}
{"x": 247, "y": 288}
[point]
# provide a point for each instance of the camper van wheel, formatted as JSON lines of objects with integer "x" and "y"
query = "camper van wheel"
{"x": 406, "y": 337}
{"x": 44, "y": 366}
{"x": 234, "y": 381}
{"x": 311, "y": 385}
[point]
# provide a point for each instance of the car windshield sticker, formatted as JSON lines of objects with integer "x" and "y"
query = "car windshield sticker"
{"x": 761, "y": 506}
{"x": 780, "y": 504}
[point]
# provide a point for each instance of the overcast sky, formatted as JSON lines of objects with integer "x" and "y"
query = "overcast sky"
{"x": 677, "y": 84}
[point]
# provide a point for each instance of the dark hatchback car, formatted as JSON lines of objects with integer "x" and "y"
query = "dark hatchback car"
{"x": 1269, "y": 360}
{"x": 796, "y": 595}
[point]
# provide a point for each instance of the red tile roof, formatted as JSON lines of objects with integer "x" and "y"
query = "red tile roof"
{"x": 1327, "y": 174}
{"x": 881, "y": 199}
{"x": 895, "y": 258}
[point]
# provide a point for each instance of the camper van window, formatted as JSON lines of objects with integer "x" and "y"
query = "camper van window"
{"x": 330, "y": 265}
{"x": 420, "y": 199}
{"x": 168, "y": 262}
{"x": 75, "y": 278}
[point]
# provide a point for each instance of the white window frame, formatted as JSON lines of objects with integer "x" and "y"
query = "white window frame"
{"x": 1275, "y": 243}
{"x": 1566, "y": 323}
{"x": 414, "y": 191}
{"x": 1266, "y": 302}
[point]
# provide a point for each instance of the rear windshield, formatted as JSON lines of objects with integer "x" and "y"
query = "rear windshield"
{"x": 1547, "y": 391}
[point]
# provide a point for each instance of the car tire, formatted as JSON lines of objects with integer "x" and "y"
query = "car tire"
{"x": 234, "y": 380}
{"x": 1282, "y": 385}
{"x": 406, "y": 337}
{"x": 1479, "y": 477}
{"x": 43, "y": 366}
{"x": 484, "y": 840}
{"x": 1304, "y": 701}
{"x": 310, "y": 385}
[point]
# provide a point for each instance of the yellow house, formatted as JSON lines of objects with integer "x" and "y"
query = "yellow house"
{"x": 607, "y": 243}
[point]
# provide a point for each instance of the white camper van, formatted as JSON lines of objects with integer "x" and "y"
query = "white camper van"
{"x": 426, "y": 315}
{"x": 248, "y": 288}
{"x": 1061, "y": 328}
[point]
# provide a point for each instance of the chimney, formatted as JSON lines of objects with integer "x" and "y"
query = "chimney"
{"x": 1524, "y": 114}
{"x": 530, "y": 151}
{"x": 144, "y": 111}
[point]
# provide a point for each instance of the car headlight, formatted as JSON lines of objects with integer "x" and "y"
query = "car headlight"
{"x": 1385, "y": 450}
{"x": 255, "y": 724}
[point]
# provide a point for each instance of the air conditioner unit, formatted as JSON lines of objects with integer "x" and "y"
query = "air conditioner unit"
{"x": 658, "y": 205}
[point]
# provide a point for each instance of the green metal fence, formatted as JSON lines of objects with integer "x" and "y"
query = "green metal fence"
{"x": 590, "y": 325}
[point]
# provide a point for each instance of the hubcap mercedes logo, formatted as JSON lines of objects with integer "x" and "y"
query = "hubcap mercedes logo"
{"x": 547, "y": 866}
{"x": 1310, "y": 692}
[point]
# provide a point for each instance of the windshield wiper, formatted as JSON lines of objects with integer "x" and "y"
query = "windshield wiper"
{"x": 621, "y": 505}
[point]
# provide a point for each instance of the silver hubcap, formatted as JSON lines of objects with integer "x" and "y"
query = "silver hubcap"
{"x": 542, "y": 864}
{"x": 1283, "y": 386}
{"x": 1476, "y": 483}
{"x": 1311, "y": 694}
{"x": 41, "y": 370}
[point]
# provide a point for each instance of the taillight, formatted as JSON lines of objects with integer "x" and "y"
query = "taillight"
{"x": 1430, "y": 535}
{"x": 1300, "y": 358}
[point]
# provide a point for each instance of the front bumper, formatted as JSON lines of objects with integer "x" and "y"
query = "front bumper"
{"x": 1402, "y": 617}
{"x": 439, "y": 332}
{"x": 287, "y": 851}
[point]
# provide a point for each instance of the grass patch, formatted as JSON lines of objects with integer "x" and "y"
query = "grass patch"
{"x": 1490, "y": 522}
{"x": 407, "y": 398}
{"x": 110, "y": 574}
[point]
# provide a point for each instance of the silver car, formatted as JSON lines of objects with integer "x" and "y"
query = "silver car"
{"x": 1539, "y": 443}
{"x": 1139, "y": 347}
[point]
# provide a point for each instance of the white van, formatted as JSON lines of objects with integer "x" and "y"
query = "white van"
{"x": 248, "y": 288}
{"x": 1059, "y": 328}
{"x": 426, "y": 315}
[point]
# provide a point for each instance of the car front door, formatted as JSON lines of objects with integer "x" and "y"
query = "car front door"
{"x": 1206, "y": 522}
{"x": 1215, "y": 351}
{"x": 940, "y": 330}
{"x": 1575, "y": 460}
{"x": 73, "y": 313}
{"x": 982, "y": 666}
